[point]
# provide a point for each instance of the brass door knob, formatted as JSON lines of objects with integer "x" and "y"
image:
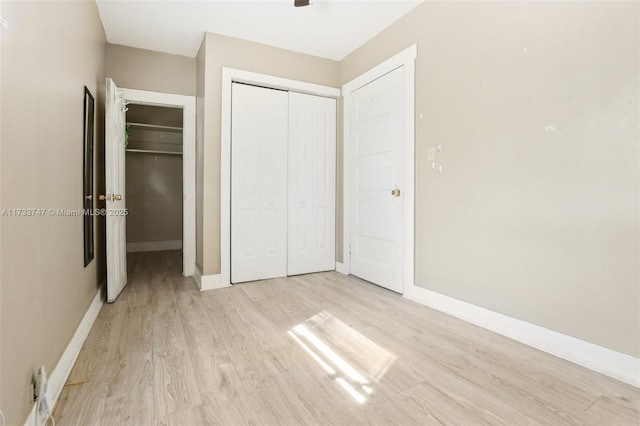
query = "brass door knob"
{"x": 395, "y": 192}
{"x": 88, "y": 197}
{"x": 102, "y": 197}
{"x": 117, "y": 197}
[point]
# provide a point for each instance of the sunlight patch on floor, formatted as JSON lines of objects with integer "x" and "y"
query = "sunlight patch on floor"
{"x": 353, "y": 360}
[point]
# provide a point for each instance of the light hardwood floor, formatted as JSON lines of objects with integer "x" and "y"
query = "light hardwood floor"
{"x": 314, "y": 349}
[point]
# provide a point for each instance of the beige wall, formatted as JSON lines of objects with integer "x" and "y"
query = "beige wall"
{"x": 536, "y": 223}
{"x": 221, "y": 52}
{"x": 45, "y": 288}
{"x": 142, "y": 69}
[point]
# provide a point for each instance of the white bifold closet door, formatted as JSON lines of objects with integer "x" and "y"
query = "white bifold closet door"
{"x": 283, "y": 159}
{"x": 259, "y": 132}
{"x": 312, "y": 183}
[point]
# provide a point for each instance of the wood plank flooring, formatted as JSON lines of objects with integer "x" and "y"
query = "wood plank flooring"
{"x": 314, "y": 349}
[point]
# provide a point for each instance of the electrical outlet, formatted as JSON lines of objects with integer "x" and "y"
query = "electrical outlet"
{"x": 40, "y": 393}
{"x": 40, "y": 383}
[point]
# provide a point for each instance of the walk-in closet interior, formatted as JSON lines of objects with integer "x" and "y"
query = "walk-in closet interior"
{"x": 154, "y": 178}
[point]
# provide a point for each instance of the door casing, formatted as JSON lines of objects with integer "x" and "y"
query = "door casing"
{"x": 405, "y": 59}
{"x": 188, "y": 105}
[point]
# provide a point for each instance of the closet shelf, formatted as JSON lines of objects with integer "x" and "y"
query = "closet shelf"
{"x": 149, "y": 151}
{"x": 155, "y": 127}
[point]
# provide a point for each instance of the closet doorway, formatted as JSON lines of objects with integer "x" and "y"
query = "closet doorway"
{"x": 153, "y": 178}
{"x": 278, "y": 177}
{"x": 187, "y": 106}
{"x": 149, "y": 116}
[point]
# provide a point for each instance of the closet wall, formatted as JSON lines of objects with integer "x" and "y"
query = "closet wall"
{"x": 154, "y": 178}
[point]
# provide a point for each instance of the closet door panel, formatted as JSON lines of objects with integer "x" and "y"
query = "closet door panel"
{"x": 273, "y": 177}
{"x": 312, "y": 171}
{"x": 259, "y": 127}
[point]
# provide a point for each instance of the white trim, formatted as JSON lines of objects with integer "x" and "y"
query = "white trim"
{"x": 197, "y": 275}
{"x": 230, "y": 75}
{"x": 340, "y": 268}
{"x": 208, "y": 282}
{"x": 620, "y": 366}
{"x": 405, "y": 59}
{"x": 154, "y": 246}
{"x": 212, "y": 282}
{"x": 242, "y": 76}
{"x": 60, "y": 373}
{"x": 188, "y": 104}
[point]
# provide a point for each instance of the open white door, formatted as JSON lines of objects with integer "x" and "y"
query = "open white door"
{"x": 114, "y": 158}
{"x": 377, "y": 208}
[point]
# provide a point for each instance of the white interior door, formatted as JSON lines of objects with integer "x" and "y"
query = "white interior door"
{"x": 115, "y": 179}
{"x": 376, "y": 210}
{"x": 259, "y": 128}
{"x": 312, "y": 183}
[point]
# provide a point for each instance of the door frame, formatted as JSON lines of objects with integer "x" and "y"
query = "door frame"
{"x": 405, "y": 59}
{"x": 229, "y": 76}
{"x": 188, "y": 105}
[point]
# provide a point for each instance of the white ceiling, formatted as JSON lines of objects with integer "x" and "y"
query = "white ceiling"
{"x": 328, "y": 28}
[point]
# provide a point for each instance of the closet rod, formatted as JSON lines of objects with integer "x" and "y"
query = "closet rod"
{"x": 148, "y": 151}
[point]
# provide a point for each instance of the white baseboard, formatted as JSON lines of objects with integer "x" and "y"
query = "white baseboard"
{"x": 208, "y": 282}
{"x": 211, "y": 282}
{"x": 154, "y": 246}
{"x": 620, "y": 366}
{"x": 58, "y": 377}
{"x": 341, "y": 268}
